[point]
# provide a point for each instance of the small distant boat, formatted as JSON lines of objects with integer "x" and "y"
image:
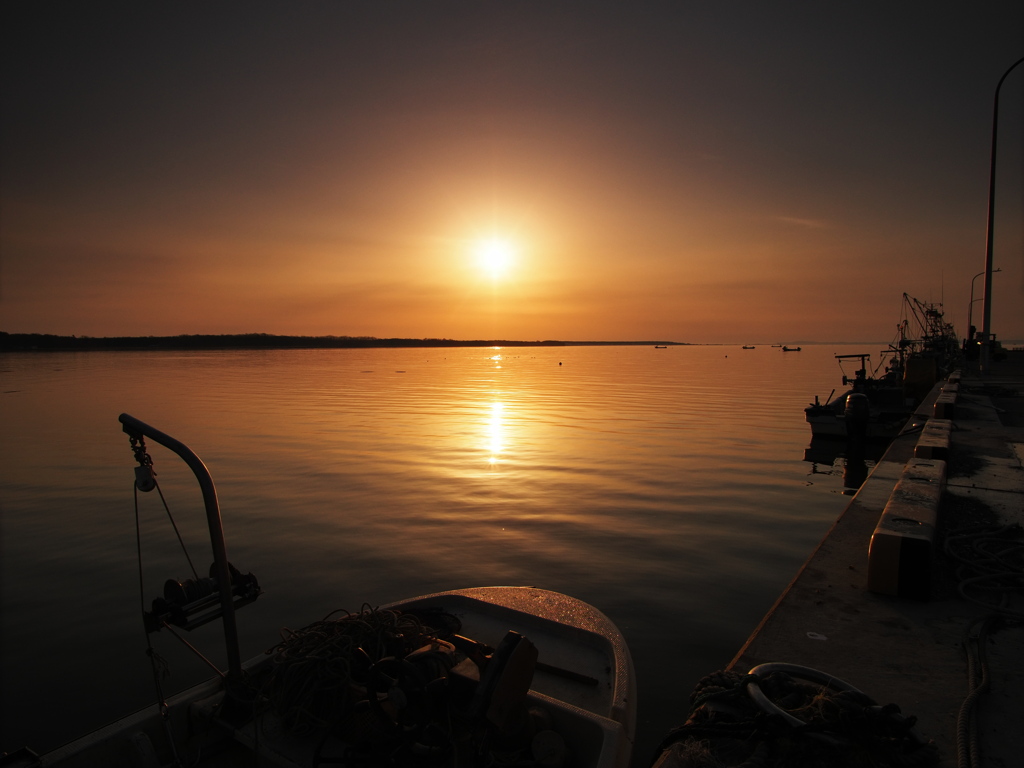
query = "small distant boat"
{"x": 661, "y": 346}
{"x": 791, "y": 349}
{"x": 745, "y": 346}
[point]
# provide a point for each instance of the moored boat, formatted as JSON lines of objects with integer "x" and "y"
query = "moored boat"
{"x": 463, "y": 677}
{"x": 874, "y": 407}
{"x": 877, "y": 404}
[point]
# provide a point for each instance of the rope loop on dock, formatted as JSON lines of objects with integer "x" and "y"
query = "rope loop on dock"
{"x": 784, "y": 715}
{"x": 991, "y": 567}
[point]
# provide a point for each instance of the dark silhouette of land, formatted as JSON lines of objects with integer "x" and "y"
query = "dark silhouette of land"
{"x": 46, "y": 342}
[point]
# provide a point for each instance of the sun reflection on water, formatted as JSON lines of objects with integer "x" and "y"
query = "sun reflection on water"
{"x": 496, "y": 432}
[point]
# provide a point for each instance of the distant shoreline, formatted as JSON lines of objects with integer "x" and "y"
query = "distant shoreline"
{"x": 45, "y": 342}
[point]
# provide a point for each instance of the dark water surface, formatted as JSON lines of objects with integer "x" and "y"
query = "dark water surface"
{"x": 665, "y": 486}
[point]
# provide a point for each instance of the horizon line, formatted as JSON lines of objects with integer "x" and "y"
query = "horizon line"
{"x": 24, "y": 341}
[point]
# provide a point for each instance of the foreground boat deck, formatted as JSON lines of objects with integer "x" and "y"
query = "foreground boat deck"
{"x": 910, "y": 651}
{"x": 564, "y": 687}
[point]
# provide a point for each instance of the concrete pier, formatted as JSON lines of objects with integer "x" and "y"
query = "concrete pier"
{"x": 910, "y": 651}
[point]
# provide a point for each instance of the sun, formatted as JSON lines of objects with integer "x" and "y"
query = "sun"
{"x": 494, "y": 255}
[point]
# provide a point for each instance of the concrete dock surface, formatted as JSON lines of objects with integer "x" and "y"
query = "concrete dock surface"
{"x": 913, "y": 652}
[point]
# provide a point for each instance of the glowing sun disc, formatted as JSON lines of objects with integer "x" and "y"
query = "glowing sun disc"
{"x": 494, "y": 255}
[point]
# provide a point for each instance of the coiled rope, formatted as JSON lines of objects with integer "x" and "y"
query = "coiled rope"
{"x": 317, "y": 671}
{"x": 838, "y": 726}
{"x": 990, "y": 573}
{"x": 991, "y": 567}
{"x": 968, "y": 751}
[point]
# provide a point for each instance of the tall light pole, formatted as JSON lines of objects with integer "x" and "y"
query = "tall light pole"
{"x": 986, "y": 334}
{"x": 970, "y": 307}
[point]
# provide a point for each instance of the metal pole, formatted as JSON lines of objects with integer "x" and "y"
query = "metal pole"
{"x": 970, "y": 307}
{"x": 136, "y": 428}
{"x": 986, "y": 341}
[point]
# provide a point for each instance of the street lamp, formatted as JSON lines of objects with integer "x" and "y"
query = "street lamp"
{"x": 986, "y": 334}
{"x": 970, "y": 307}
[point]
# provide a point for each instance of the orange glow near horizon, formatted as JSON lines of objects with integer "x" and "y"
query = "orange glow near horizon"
{"x": 492, "y": 182}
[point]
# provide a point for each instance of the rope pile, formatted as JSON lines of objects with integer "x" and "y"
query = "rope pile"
{"x": 990, "y": 573}
{"x": 383, "y": 687}
{"x": 990, "y": 569}
{"x": 318, "y": 673}
{"x": 844, "y": 728}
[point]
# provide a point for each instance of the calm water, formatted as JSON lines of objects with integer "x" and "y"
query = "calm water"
{"x": 665, "y": 486}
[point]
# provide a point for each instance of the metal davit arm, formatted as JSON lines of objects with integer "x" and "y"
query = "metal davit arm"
{"x": 135, "y": 428}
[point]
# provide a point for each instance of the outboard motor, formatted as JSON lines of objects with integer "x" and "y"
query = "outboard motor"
{"x": 856, "y": 414}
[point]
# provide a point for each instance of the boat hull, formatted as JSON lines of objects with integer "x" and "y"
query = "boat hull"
{"x": 585, "y": 682}
{"x": 827, "y": 421}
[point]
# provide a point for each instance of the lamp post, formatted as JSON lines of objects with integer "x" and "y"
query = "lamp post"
{"x": 970, "y": 307}
{"x": 986, "y": 334}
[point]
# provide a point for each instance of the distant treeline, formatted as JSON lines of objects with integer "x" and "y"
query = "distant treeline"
{"x": 43, "y": 342}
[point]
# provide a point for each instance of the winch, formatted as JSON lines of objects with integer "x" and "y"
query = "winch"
{"x": 190, "y": 603}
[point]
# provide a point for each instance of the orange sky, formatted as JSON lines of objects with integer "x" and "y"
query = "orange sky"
{"x": 723, "y": 174}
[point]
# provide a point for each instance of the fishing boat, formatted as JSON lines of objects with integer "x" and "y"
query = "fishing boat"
{"x": 468, "y": 677}
{"x": 791, "y": 349}
{"x": 874, "y": 407}
{"x": 746, "y": 346}
{"x": 877, "y": 404}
